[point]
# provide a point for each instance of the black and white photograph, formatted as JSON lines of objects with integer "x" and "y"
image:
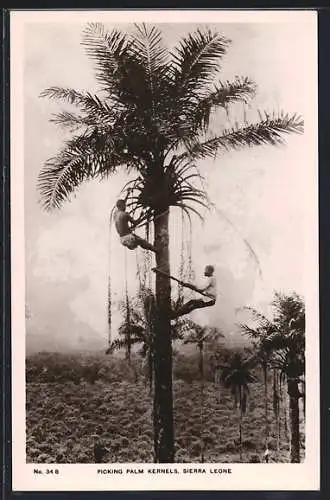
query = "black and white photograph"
{"x": 164, "y": 189}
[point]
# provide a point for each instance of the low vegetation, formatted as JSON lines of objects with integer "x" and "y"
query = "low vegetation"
{"x": 75, "y": 402}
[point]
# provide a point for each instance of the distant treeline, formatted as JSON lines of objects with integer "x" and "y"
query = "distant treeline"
{"x": 46, "y": 367}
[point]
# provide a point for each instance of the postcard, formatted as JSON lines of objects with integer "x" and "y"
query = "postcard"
{"x": 164, "y": 239}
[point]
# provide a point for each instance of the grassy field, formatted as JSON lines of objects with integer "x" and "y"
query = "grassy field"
{"x": 64, "y": 411}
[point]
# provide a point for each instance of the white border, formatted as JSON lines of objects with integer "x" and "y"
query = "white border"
{"x": 303, "y": 476}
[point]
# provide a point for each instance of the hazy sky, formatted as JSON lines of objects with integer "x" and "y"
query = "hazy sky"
{"x": 261, "y": 190}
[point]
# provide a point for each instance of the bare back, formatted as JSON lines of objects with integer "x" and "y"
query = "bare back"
{"x": 122, "y": 220}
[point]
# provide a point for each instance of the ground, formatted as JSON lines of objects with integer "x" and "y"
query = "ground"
{"x": 62, "y": 417}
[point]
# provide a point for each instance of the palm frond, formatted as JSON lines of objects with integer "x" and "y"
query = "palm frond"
{"x": 68, "y": 95}
{"x": 143, "y": 193}
{"x": 108, "y": 51}
{"x": 95, "y": 108}
{"x": 71, "y": 121}
{"x": 116, "y": 345}
{"x": 241, "y": 89}
{"x": 137, "y": 332}
{"x": 253, "y": 333}
{"x": 147, "y": 49}
{"x": 197, "y": 59}
{"x": 259, "y": 316}
{"x": 267, "y": 131}
{"x": 62, "y": 175}
{"x": 83, "y": 158}
{"x": 133, "y": 71}
{"x": 74, "y": 122}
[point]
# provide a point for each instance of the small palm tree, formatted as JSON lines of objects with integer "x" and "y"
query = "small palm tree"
{"x": 152, "y": 117}
{"x": 200, "y": 336}
{"x": 236, "y": 375}
{"x": 138, "y": 328}
{"x": 284, "y": 337}
{"x": 288, "y": 343}
{"x": 262, "y": 354}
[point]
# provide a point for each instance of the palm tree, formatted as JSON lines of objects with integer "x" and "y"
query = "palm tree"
{"x": 284, "y": 337}
{"x": 151, "y": 117}
{"x": 201, "y": 335}
{"x": 288, "y": 343}
{"x": 236, "y": 375}
{"x": 261, "y": 353}
{"x": 140, "y": 329}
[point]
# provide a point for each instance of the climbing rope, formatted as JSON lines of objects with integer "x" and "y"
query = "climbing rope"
{"x": 138, "y": 270}
{"x": 182, "y": 261}
{"x": 145, "y": 220}
{"x": 190, "y": 271}
{"x": 128, "y": 316}
{"x": 109, "y": 295}
{"x": 146, "y": 303}
{"x": 147, "y": 257}
{"x": 248, "y": 245}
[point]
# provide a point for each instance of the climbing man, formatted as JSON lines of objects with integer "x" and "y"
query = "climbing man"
{"x": 124, "y": 225}
{"x": 209, "y": 291}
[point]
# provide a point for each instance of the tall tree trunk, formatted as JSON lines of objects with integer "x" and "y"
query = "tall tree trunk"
{"x": 278, "y": 445}
{"x": 201, "y": 371}
{"x": 293, "y": 391}
{"x": 240, "y": 423}
{"x": 217, "y": 381}
{"x": 287, "y": 417}
{"x": 276, "y": 408}
{"x": 285, "y": 411}
{"x": 266, "y": 403}
{"x": 303, "y": 395}
{"x": 163, "y": 396}
{"x": 150, "y": 369}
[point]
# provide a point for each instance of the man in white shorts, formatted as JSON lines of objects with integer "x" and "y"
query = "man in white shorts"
{"x": 209, "y": 291}
{"x": 124, "y": 224}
